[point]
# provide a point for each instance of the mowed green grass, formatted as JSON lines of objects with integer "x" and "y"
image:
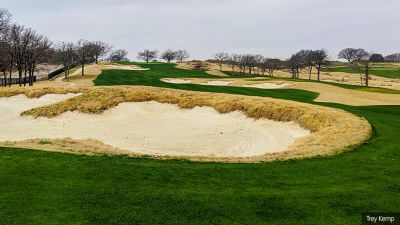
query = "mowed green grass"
{"x": 388, "y": 72}
{"x": 53, "y": 188}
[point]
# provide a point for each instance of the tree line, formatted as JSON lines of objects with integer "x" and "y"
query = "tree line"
{"x": 168, "y": 55}
{"x": 22, "y": 49}
{"x": 255, "y": 63}
{"x": 308, "y": 60}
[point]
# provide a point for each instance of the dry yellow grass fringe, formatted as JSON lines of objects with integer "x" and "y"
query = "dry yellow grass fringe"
{"x": 333, "y": 130}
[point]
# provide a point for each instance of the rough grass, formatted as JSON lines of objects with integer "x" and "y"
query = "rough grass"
{"x": 35, "y": 92}
{"x": 68, "y": 145}
{"x": 332, "y": 130}
{"x": 388, "y": 72}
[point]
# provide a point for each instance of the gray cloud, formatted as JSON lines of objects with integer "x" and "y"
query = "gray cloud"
{"x": 273, "y": 28}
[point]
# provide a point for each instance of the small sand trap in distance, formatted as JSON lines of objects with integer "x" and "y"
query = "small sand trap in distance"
{"x": 217, "y": 83}
{"x": 177, "y": 81}
{"x": 268, "y": 85}
{"x": 124, "y": 67}
{"x": 152, "y": 128}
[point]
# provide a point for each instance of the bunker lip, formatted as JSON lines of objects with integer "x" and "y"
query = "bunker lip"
{"x": 332, "y": 130}
{"x": 197, "y": 132}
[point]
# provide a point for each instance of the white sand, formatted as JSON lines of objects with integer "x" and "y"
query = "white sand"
{"x": 152, "y": 128}
{"x": 268, "y": 85}
{"x": 177, "y": 81}
{"x": 217, "y": 83}
{"x": 124, "y": 67}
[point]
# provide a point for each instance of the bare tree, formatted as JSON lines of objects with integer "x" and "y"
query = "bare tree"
{"x": 270, "y": 65}
{"x": 258, "y": 59}
{"x": 84, "y": 54}
{"x": 221, "y": 58}
{"x": 360, "y": 55}
{"x": 66, "y": 55}
{"x": 321, "y": 58}
{"x": 309, "y": 61}
{"x": 168, "y": 55}
{"x": 233, "y": 61}
{"x": 182, "y": 55}
{"x": 148, "y": 55}
{"x": 377, "y": 58}
{"x": 295, "y": 63}
{"x": 37, "y": 51}
{"x": 4, "y": 60}
{"x": 393, "y": 57}
{"x": 5, "y": 18}
{"x": 20, "y": 38}
{"x": 99, "y": 49}
{"x": 118, "y": 55}
{"x": 348, "y": 53}
{"x": 249, "y": 61}
{"x": 362, "y": 60}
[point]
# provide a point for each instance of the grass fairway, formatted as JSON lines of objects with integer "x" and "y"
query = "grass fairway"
{"x": 388, "y": 72}
{"x": 52, "y": 188}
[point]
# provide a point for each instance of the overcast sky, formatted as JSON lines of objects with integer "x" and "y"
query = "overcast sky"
{"x": 274, "y": 28}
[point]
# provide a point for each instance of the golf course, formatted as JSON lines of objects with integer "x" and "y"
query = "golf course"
{"x": 42, "y": 187}
{"x": 231, "y": 112}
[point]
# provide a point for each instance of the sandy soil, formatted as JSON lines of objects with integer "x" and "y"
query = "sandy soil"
{"x": 177, "y": 81}
{"x": 123, "y": 67}
{"x": 217, "y": 83}
{"x": 329, "y": 93}
{"x": 200, "y": 131}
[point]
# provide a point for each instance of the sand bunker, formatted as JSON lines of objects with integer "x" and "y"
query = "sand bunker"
{"x": 177, "y": 81}
{"x": 217, "y": 83}
{"x": 332, "y": 130}
{"x": 200, "y": 131}
{"x": 124, "y": 67}
{"x": 268, "y": 85}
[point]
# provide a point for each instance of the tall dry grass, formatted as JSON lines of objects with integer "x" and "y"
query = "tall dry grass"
{"x": 332, "y": 130}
